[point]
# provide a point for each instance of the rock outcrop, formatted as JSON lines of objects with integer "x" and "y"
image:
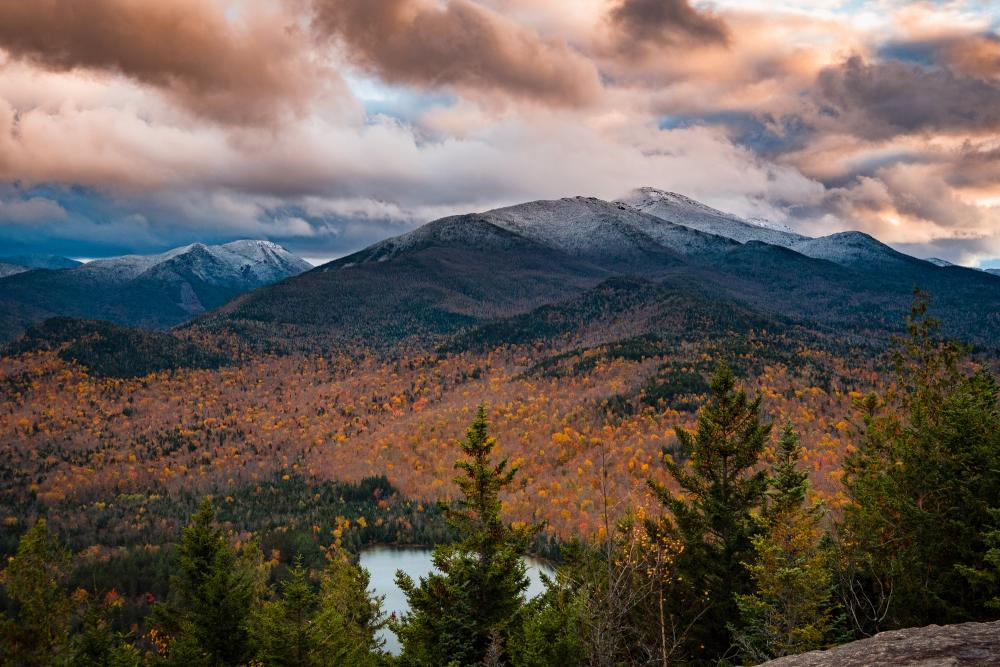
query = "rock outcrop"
{"x": 962, "y": 645}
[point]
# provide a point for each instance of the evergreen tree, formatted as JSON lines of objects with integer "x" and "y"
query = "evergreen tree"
{"x": 790, "y": 610}
{"x": 33, "y": 580}
{"x": 470, "y": 608}
{"x": 921, "y": 488}
{"x": 335, "y": 628}
{"x": 789, "y": 483}
{"x": 713, "y": 520}
{"x": 985, "y": 577}
{"x": 344, "y": 631}
{"x": 280, "y": 628}
{"x": 553, "y": 628}
{"x": 555, "y": 624}
{"x": 97, "y": 644}
{"x": 211, "y": 597}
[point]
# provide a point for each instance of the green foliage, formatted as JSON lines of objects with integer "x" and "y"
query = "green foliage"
{"x": 553, "y": 626}
{"x": 790, "y": 610}
{"x": 921, "y": 488}
{"x": 714, "y": 520}
{"x": 212, "y": 596}
{"x": 471, "y": 609}
{"x": 39, "y": 633}
{"x": 789, "y": 483}
{"x": 985, "y": 577}
{"x": 335, "y": 627}
{"x": 344, "y": 631}
{"x": 279, "y": 630}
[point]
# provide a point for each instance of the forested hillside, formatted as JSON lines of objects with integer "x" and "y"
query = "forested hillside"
{"x": 800, "y": 495}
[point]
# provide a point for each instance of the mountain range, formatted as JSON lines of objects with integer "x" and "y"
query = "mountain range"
{"x": 519, "y": 270}
{"x": 150, "y": 291}
{"x": 461, "y": 272}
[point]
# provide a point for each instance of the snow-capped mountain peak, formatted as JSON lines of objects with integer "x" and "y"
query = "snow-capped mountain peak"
{"x": 256, "y": 261}
{"x": 690, "y": 213}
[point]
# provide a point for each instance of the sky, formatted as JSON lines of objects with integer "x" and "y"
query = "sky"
{"x": 325, "y": 125}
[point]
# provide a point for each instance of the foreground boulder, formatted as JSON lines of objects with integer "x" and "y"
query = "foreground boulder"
{"x": 972, "y": 644}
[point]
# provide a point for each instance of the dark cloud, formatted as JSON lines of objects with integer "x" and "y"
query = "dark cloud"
{"x": 650, "y": 23}
{"x": 885, "y": 99}
{"x": 974, "y": 55}
{"x": 236, "y": 70}
{"x": 460, "y": 45}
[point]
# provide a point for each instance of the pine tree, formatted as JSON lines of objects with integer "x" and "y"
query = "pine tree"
{"x": 211, "y": 597}
{"x": 714, "y": 518}
{"x": 344, "y": 631}
{"x": 789, "y": 483}
{"x": 790, "y": 610}
{"x": 280, "y": 628}
{"x": 985, "y": 576}
{"x": 921, "y": 488}
{"x": 33, "y": 579}
{"x": 338, "y": 627}
{"x": 470, "y": 608}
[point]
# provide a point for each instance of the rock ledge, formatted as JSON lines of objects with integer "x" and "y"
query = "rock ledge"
{"x": 965, "y": 645}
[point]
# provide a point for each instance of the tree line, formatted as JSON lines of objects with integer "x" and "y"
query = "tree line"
{"x": 741, "y": 564}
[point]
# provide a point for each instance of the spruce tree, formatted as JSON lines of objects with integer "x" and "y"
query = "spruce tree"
{"x": 39, "y": 634}
{"x": 921, "y": 488}
{"x": 280, "y": 628}
{"x": 211, "y": 597}
{"x": 469, "y": 609}
{"x": 789, "y": 483}
{"x": 790, "y": 610}
{"x": 713, "y": 519}
{"x": 344, "y": 630}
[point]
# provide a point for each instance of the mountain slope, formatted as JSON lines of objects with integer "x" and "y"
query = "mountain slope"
{"x": 454, "y": 272}
{"x": 154, "y": 291}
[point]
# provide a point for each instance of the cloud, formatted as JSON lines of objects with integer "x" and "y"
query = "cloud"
{"x": 248, "y": 68}
{"x": 882, "y": 99}
{"x": 182, "y": 120}
{"x": 645, "y": 23}
{"x": 32, "y": 209}
{"x": 459, "y": 44}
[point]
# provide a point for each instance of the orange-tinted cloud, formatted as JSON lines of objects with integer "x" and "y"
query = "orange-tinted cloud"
{"x": 245, "y": 70}
{"x": 460, "y": 45}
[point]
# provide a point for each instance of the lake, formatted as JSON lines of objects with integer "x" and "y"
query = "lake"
{"x": 382, "y": 563}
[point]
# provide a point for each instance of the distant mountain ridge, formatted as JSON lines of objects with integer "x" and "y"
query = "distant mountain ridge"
{"x": 461, "y": 271}
{"x": 40, "y": 261}
{"x": 151, "y": 291}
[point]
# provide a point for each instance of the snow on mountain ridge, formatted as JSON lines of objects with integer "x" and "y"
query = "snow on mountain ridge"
{"x": 264, "y": 260}
{"x": 770, "y": 224}
{"x": 682, "y": 210}
{"x": 852, "y": 248}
